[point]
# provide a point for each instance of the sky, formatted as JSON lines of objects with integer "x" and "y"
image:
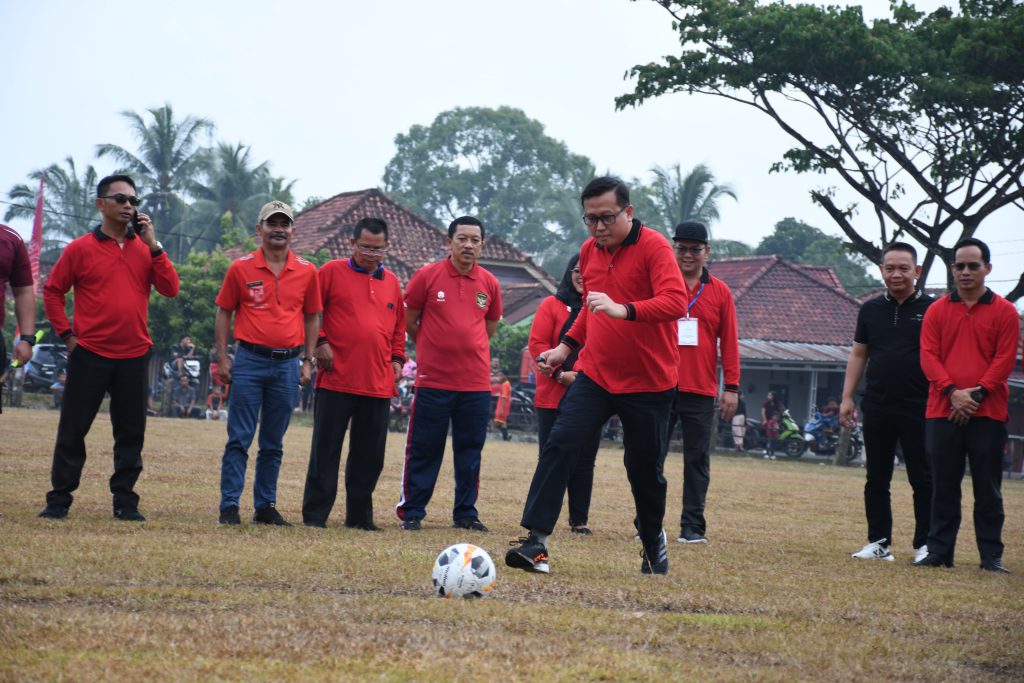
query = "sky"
{"x": 321, "y": 89}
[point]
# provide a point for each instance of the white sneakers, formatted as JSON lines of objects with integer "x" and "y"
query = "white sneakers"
{"x": 875, "y": 551}
{"x": 920, "y": 553}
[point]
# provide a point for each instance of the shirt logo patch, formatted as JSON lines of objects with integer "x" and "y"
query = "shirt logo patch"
{"x": 256, "y": 292}
{"x": 440, "y": 296}
{"x": 481, "y": 300}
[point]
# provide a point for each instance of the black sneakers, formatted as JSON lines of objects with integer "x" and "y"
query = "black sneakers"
{"x": 54, "y": 512}
{"x": 471, "y": 523}
{"x": 654, "y": 557}
{"x": 364, "y": 526}
{"x": 229, "y": 515}
{"x": 995, "y": 565}
{"x": 933, "y": 560}
{"x": 268, "y": 514}
{"x": 580, "y": 529}
{"x": 690, "y": 536}
{"x": 411, "y": 525}
{"x": 530, "y": 554}
{"x": 128, "y": 515}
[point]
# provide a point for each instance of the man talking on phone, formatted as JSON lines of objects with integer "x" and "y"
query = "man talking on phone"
{"x": 112, "y": 269}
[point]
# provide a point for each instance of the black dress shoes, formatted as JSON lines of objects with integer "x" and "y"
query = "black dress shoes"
{"x": 934, "y": 560}
{"x": 995, "y": 565}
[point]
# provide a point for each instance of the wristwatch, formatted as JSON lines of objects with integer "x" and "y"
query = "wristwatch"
{"x": 159, "y": 249}
{"x": 29, "y": 339}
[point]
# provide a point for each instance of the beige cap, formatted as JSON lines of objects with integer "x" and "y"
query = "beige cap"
{"x": 270, "y": 208}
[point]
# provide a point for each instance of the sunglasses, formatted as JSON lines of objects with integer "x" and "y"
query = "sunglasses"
{"x": 122, "y": 198}
{"x": 973, "y": 266}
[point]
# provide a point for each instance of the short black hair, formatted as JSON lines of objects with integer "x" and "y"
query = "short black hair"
{"x": 986, "y": 255}
{"x": 374, "y": 226}
{"x": 465, "y": 220}
{"x": 104, "y": 185}
{"x": 604, "y": 184}
{"x": 900, "y": 246}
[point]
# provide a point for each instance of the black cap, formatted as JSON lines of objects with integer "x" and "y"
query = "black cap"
{"x": 691, "y": 230}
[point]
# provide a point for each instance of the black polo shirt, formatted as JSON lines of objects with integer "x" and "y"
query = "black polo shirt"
{"x": 892, "y": 333}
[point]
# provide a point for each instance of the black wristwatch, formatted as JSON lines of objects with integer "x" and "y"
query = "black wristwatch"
{"x": 29, "y": 339}
{"x": 978, "y": 395}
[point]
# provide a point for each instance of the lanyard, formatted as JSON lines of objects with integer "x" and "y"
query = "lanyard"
{"x": 693, "y": 302}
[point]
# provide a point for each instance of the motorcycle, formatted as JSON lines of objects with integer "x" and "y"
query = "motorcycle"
{"x": 790, "y": 439}
{"x": 822, "y": 434}
{"x": 190, "y": 367}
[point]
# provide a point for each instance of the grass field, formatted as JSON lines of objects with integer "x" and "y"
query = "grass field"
{"x": 774, "y": 596}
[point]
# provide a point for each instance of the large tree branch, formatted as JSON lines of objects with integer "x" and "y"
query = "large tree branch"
{"x": 1017, "y": 292}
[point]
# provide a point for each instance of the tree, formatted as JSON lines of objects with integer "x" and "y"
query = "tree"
{"x": 192, "y": 312}
{"x": 167, "y": 166}
{"x": 694, "y": 197}
{"x": 507, "y": 346}
{"x": 69, "y": 204}
{"x": 922, "y": 116}
{"x": 729, "y": 248}
{"x": 496, "y": 164}
{"x": 798, "y": 242}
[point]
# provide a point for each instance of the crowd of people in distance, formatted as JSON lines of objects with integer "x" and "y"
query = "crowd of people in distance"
{"x": 639, "y": 329}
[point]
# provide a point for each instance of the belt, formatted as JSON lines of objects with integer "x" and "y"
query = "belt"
{"x": 272, "y": 354}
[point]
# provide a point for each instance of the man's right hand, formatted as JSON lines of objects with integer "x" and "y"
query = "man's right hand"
{"x": 324, "y": 355}
{"x": 846, "y": 413}
{"x": 224, "y": 369}
{"x": 71, "y": 342}
{"x": 552, "y": 358}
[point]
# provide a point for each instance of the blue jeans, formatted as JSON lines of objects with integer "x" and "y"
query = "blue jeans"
{"x": 262, "y": 390}
{"x": 432, "y": 410}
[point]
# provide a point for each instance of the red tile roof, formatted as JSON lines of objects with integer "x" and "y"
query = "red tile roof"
{"x": 781, "y": 301}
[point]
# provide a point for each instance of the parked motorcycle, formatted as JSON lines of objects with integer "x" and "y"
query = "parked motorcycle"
{"x": 822, "y": 434}
{"x": 790, "y": 440}
{"x": 190, "y": 368}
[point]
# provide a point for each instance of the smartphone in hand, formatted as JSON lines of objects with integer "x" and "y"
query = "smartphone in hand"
{"x": 138, "y": 227}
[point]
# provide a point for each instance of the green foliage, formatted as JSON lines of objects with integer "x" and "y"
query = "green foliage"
{"x": 507, "y": 346}
{"x": 677, "y": 198}
{"x": 799, "y": 242}
{"x": 193, "y": 311}
{"x": 728, "y": 248}
{"x": 496, "y": 164}
{"x": 921, "y": 115}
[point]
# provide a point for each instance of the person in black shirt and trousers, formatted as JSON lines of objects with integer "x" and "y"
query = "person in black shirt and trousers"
{"x": 888, "y": 341}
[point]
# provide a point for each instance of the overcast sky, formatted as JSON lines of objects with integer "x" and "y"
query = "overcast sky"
{"x": 320, "y": 89}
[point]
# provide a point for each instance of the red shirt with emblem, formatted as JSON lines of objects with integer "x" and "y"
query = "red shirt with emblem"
{"x": 364, "y": 322}
{"x": 715, "y": 312}
{"x": 112, "y": 284}
{"x": 452, "y": 347}
{"x": 269, "y": 309}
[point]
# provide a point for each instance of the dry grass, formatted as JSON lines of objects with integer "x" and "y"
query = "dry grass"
{"x": 774, "y": 595}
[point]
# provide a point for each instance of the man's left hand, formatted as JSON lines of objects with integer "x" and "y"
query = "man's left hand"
{"x": 727, "y": 404}
{"x": 22, "y": 352}
{"x": 397, "y": 367}
{"x": 305, "y": 372}
{"x": 599, "y": 302}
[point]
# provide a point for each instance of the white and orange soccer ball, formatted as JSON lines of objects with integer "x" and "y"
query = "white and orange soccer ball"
{"x": 463, "y": 571}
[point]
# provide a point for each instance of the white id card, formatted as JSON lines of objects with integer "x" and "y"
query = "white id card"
{"x": 687, "y": 331}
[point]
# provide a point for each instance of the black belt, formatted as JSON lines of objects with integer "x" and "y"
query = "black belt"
{"x": 272, "y": 354}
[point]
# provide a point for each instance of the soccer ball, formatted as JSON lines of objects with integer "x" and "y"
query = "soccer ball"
{"x": 463, "y": 571}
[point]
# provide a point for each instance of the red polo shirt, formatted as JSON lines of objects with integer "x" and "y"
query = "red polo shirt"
{"x": 112, "y": 284}
{"x": 715, "y": 312}
{"x": 364, "y": 322}
{"x": 15, "y": 266}
{"x": 966, "y": 347}
{"x": 452, "y": 348}
{"x": 269, "y": 309}
{"x": 637, "y": 354}
{"x": 547, "y": 323}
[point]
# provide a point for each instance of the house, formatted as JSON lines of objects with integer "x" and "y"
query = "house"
{"x": 415, "y": 242}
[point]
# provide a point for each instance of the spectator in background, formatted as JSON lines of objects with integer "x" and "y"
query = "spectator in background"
{"x": 503, "y": 406}
{"x": 182, "y": 351}
{"x": 739, "y": 423}
{"x": 215, "y": 404}
{"x": 770, "y": 427}
{"x": 183, "y": 399}
{"x": 771, "y": 405}
{"x": 57, "y": 389}
{"x": 555, "y": 316}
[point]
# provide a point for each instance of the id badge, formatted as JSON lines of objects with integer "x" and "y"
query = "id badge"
{"x": 687, "y": 331}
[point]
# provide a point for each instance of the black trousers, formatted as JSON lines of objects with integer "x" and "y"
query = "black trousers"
{"x": 981, "y": 440}
{"x": 332, "y": 411}
{"x": 581, "y": 482}
{"x": 882, "y": 431}
{"x": 90, "y": 376}
{"x": 583, "y": 410}
{"x": 695, "y": 413}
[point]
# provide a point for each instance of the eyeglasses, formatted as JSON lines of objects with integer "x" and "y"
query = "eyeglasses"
{"x": 607, "y": 218}
{"x": 122, "y": 198}
{"x": 973, "y": 266}
{"x": 695, "y": 251}
{"x": 372, "y": 251}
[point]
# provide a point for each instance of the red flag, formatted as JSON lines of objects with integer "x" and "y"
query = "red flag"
{"x": 35, "y": 245}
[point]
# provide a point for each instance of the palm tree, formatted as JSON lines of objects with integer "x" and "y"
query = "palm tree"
{"x": 234, "y": 188}
{"x": 694, "y": 197}
{"x": 69, "y": 204}
{"x": 169, "y": 161}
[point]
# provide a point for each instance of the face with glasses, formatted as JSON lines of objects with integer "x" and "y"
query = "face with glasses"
{"x": 369, "y": 249}
{"x": 969, "y": 269}
{"x": 118, "y": 204}
{"x": 691, "y": 256}
{"x": 609, "y": 224}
